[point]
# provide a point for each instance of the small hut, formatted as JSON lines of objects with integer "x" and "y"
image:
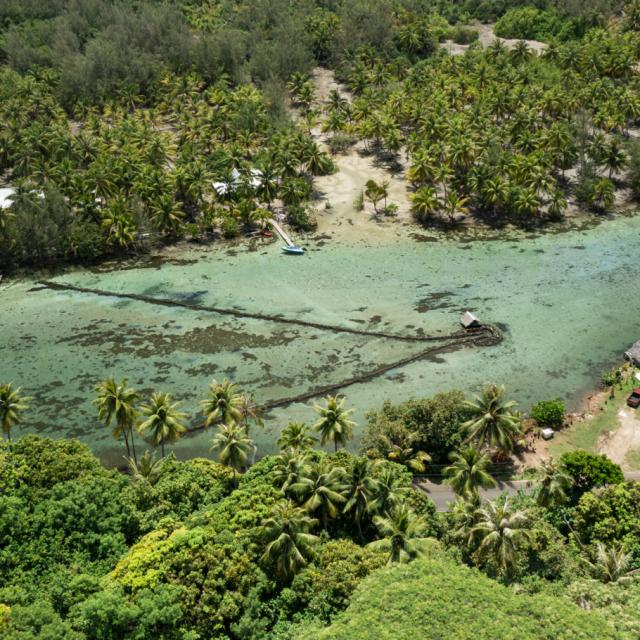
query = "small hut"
{"x": 469, "y": 321}
{"x": 633, "y": 354}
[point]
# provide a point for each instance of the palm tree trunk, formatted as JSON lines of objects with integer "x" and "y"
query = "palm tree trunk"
{"x": 162, "y": 448}
{"x": 133, "y": 447}
{"x": 126, "y": 442}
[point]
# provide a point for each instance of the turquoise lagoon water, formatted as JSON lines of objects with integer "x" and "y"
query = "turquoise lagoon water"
{"x": 567, "y": 302}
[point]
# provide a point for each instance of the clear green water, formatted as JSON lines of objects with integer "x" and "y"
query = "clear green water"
{"x": 568, "y": 303}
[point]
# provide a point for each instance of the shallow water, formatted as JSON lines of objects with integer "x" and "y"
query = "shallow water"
{"x": 567, "y": 302}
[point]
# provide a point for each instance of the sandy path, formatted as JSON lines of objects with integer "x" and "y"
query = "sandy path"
{"x": 616, "y": 444}
{"x": 338, "y": 191}
{"x": 487, "y": 37}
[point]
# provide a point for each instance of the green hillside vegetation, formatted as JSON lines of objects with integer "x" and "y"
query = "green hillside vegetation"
{"x": 437, "y": 598}
{"x": 307, "y": 543}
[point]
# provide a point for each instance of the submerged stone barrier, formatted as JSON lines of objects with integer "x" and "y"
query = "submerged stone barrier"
{"x": 482, "y": 336}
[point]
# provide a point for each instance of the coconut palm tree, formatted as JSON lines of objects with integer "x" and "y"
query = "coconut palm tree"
{"x": 615, "y": 159}
{"x": 611, "y": 564}
{"x": 223, "y": 403}
{"x": 117, "y": 401}
{"x": 164, "y": 423}
{"x": 148, "y": 468}
{"x": 362, "y": 488}
{"x": 235, "y": 448}
{"x": 388, "y": 491}
{"x": 296, "y": 436}
{"x": 468, "y": 472}
{"x": 499, "y": 532}
{"x": 290, "y": 466}
{"x": 403, "y": 534}
{"x": 333, "y": 423}
{"x": 424, "y": 203}
{"x": 12, "y": 404}
{"x": 493, "y": 421}
{"x": 322, "y": 489}
{"x": 554, "y": 484}
{"x": 286, "y": 536}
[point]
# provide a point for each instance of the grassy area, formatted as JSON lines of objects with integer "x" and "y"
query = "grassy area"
{"x": 633, "y": 459}
{"x": 585, "y": 435}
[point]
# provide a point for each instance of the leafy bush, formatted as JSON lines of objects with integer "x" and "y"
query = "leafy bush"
{"x": 529, "y": 23}
{"x": 590, "y": 470}
{"x": 548, "y": 413}
{"x": 464, "y": 35}
{"x": 610, "y": 515}
{"x": 434, "y": 424}
{"x": 299, "y": 218}
{"x": 444, "y": 600}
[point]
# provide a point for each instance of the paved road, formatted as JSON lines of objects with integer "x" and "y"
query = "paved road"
{"x": 442, "y": 494}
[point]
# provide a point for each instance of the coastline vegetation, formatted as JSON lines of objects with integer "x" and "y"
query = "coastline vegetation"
{"x": 306, "y": 543}
{"x": 126, "y": 124}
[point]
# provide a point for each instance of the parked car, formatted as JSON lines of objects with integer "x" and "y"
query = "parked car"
{"x": 634, "y": 399}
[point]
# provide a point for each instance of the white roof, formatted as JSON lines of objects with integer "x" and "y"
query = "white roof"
{"x": 468, "y": 319}
{"x": 6, "y": 197}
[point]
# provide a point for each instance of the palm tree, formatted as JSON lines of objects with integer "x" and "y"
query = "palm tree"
{"x": 404, "y": 534}
{"x": 117, "y": 401}
{"x": 223, "y": 404}
{"x": 164, "y": 421}
{"x": 424, "y": 203}
{"x": 499, "y": 531}
{"x": 468, "y": 472}
{"x": 615, "y": 158}
{"x": 455, "y": 205}
{"x": 287, "y": 538}
{"x": 148, "y": 468}
{"x": 333, "y": 423}
{"x": 290, "y": 466}
{"x": 374, "y": 192}
{"x": 611, "y": 564}
{"x": 493, "y": 422}
{"x": 388, "y": 491}
{"x": 322, "y": 490}
{"x": 12, "y": 404}
{"x": 554, "y": 484}
{"x": 296, "y": 436}
{"x": 235, "y": 448}
{"x": 362, "y": 487}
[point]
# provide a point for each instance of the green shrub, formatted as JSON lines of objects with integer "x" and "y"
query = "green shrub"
{"x": 549, "y": 413}
{"x": 590, "y": 470}
{"x": 529, "y": 23}
{"x": 464, "y": 35}
{"x": 434, "y": 599}
{"x": 299, "y": 218}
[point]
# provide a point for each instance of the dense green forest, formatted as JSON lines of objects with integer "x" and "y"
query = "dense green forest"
{"x": 306, "y": 543}
{"x": 118, "y": 118}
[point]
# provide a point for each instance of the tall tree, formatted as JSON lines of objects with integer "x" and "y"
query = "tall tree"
{"x": 333, "y": 423}
{"x": 554, "y": 484}
{"x": 235, "y": 448}
{"x": 361, "y": 489}
{"x": 322, "y": 490}
{"x": 12, "y": 404}
{"x": 223, "y": 403}
{"x": 116, "y": 402}
{"x": 494, "y": 422}
{"x": 296, "y": 436}
{"x": 468, "y": 472}
{"x": 499, "y": 531}
{"x": 403, "y": 534}
{"x": 286, "y": 536}
{"x": 164, "y": 423}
